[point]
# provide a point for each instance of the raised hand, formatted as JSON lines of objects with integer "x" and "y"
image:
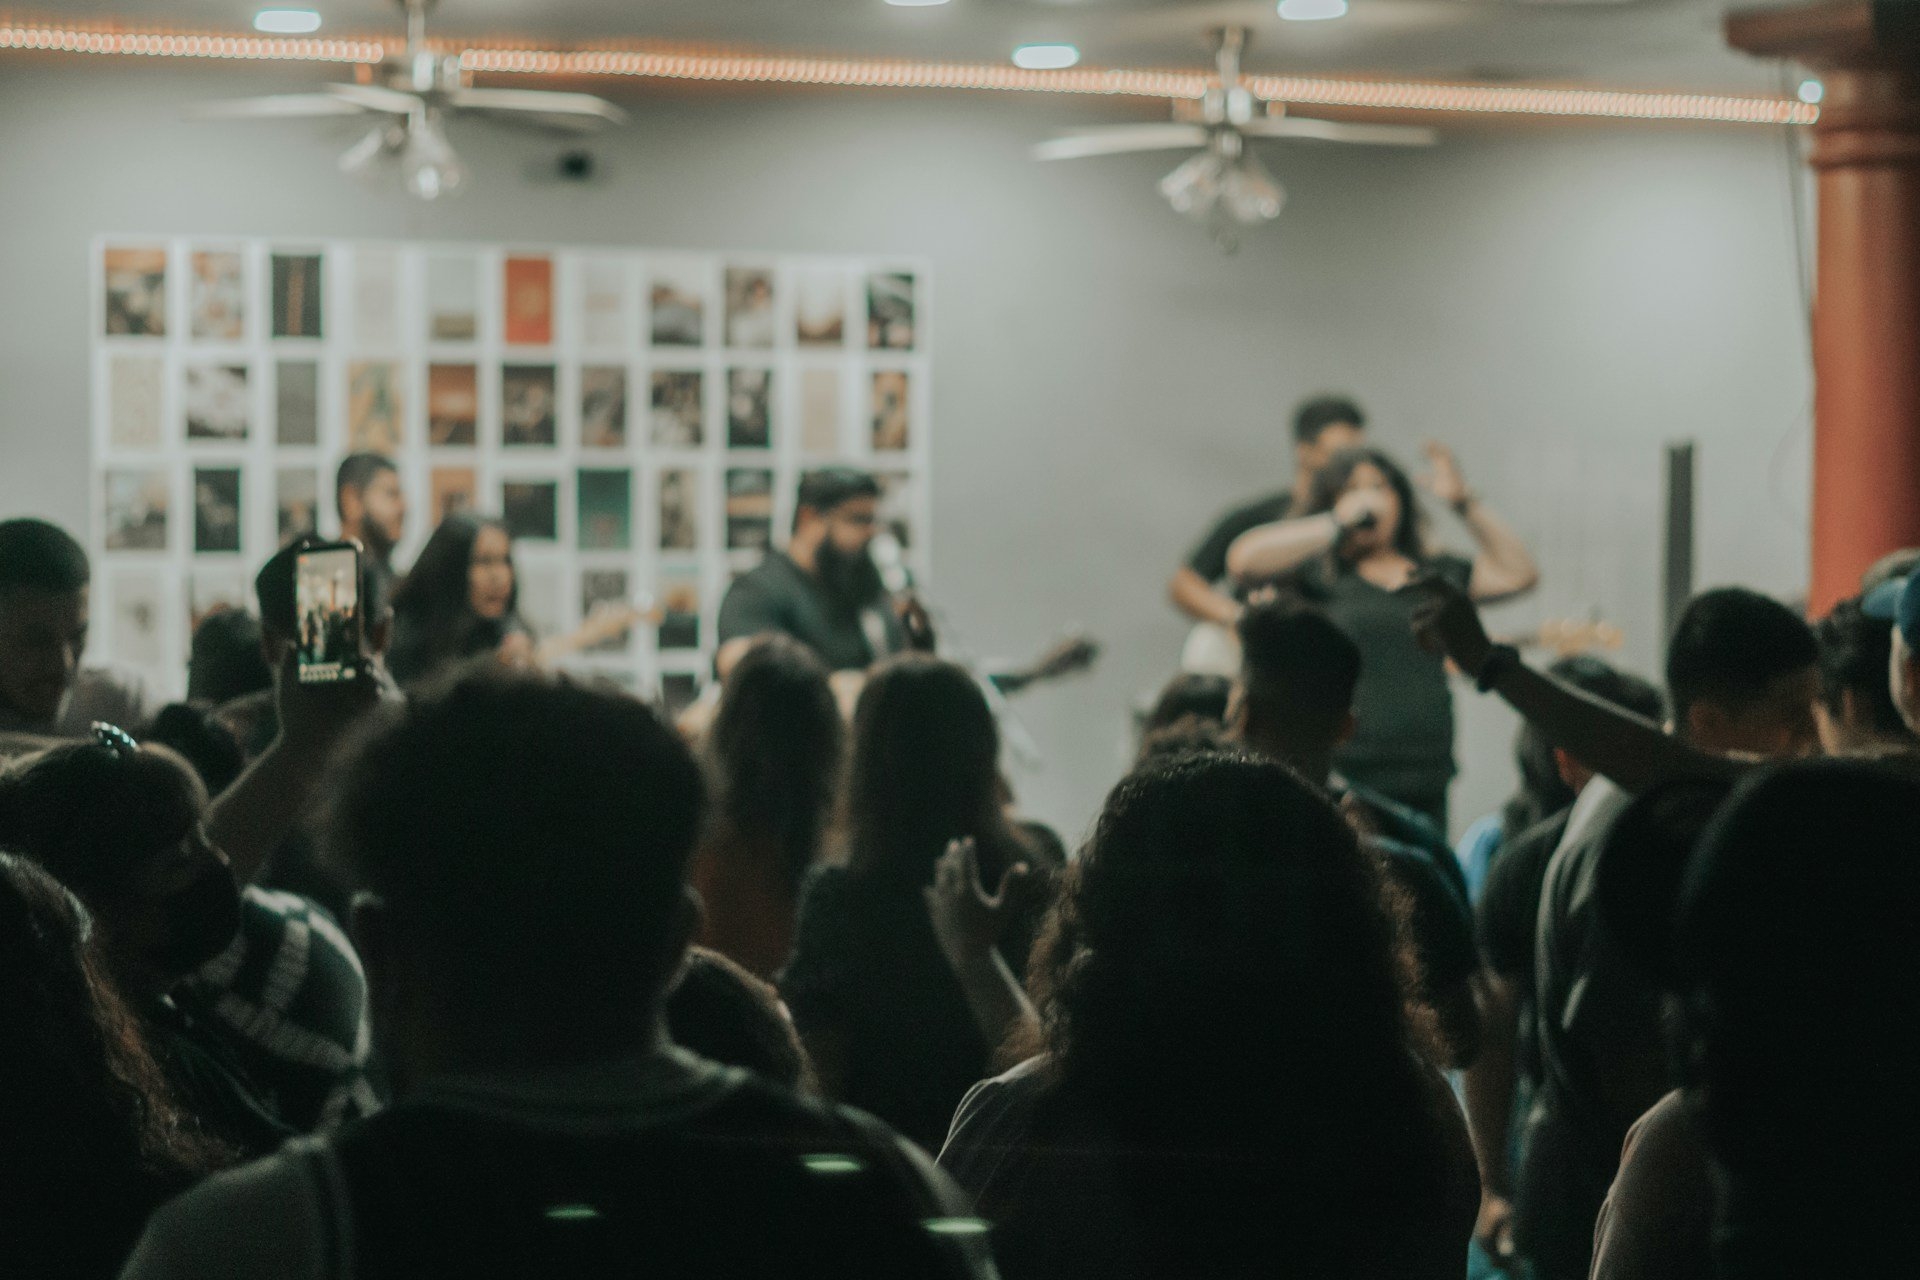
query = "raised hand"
{"x": 1446, "y": 622}
{"x": 1443, "y": 480}
{"x": 968, "y": 920}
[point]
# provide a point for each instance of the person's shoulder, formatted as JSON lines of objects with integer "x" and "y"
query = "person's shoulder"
{"x": 259, "y": 1220}
{"x": 117, "y": 695}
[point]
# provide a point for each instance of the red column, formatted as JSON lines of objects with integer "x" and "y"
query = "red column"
{"x": 1866, "y": 315}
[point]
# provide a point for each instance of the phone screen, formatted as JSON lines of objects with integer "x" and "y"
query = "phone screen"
{"x": 327, "y": 613}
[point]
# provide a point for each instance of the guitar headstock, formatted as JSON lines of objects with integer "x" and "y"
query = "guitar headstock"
{"x": 1074, "y": 653}
{"x": 1564, "y": 637}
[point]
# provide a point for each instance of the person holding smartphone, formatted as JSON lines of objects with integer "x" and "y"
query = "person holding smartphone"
{"x": 1360, "y": 541}
{"x": 461, "y": 600}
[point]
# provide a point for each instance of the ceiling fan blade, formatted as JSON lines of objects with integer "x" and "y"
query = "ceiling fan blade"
{"x": 1120, "y": 139}
{"x": 373, "y": 97}
{"x": 1379, "y": 135}
{"x": 273, "y": 106}
{"x": 575, "y": 110}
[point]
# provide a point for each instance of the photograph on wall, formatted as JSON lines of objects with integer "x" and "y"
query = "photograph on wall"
{"x": 376, "y": 298}
{"x": 133, "y": 402}
{"x": 134, "y": 504}
{"x": 679, "y": 510}
{"x": 453, "y": 298}
{"x": 211, "y": 591}
{"x": 217, "y": 296}
{"x": 603, "y": 303}
{"x": 453, "y": 405}
{"x": 749, "y": 408}
{"x": 606, "y": 590}
{"x": 678, "y": 691}
{"x": 749, "y": 307}
{"x": 674, "y": 420}
{"x": 528, "y": 302}
{"x": 527, "y": 405}
{"x": 603, "y": 407}
{"x": 296, "y": 402}
{"x": 296, "y": 295}
{"x": 296, "y": 503}
{"x": 136, "y": 279}
{"x": 531, "y": 509}
{"x": 749, "y": 509}
{"x": 889, "y": 411}
{"x": 216, "y": 509}
{"x": 820, "y": 308}
{"x": 890, "y": 311}
{"x": 216, "y": 401}
{"x": 677, "y": 306}
{"x": 820, "y": 412}
{"x": 373, "y": 407}
{"x": 679, "y": 602}
{"x": 452, "y": 489}
{"x": 605, "y": 499}
{"x": 542, "y": 602}
{"x": 138, "y": 628}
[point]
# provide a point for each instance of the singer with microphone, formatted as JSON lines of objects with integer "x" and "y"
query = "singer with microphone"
{"x": 825, "y": 589}
{"x": 1361, "y": 540}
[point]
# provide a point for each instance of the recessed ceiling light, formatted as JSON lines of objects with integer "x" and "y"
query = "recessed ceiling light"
{"x": 286, "y": 22}
{"x": 915, "y": 4}
{"x": 1312, "y": 10}
{"x": 1812, "y": 91}
{"x": 1045, "y": 57}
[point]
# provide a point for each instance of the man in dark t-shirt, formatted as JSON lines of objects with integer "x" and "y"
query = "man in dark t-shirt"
{"x": 1321, "y": 427}
{"x": 824, "y": 589}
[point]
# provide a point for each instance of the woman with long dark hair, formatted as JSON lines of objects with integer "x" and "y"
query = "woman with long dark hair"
{"x": 884, "y": 1018}
{"x": 1227, "y": 1081}
{"x": 774, "y": 757}
{"x": 94, "y": 1138}
{"x": 1360, "y": 542}
{"x": 460, "y": 600}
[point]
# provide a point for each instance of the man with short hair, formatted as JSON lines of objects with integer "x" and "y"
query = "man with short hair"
{"x": 373, "y": 512}
{"x": 1293, "y": 702}
{"x": 44, "y": 690}
{"x": 823, "y": 589}
{"x": 1741, "y": 675}
{"x": 1322, "y": 427}
{"x": 1898, "y": 601}
{"x": 522, "y": 842}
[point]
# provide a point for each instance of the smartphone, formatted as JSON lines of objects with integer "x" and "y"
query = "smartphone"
{"x": 327, "y": 616}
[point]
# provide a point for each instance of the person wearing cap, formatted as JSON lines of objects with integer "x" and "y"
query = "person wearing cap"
{"x": 1898, "y": 601}
{"x": 824, "y": 589}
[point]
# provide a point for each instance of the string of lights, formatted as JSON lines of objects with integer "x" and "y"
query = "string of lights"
{"x": 669, "y": 64}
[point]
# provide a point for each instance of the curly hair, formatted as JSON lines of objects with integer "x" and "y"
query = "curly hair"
{"x": 82, "y": 1097}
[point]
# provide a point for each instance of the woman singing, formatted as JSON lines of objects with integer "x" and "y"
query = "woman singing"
{"x": 460, "y": 600}
{"x": 1361, "y": 540}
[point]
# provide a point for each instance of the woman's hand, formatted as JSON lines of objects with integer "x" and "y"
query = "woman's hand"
{"x": 966, "y": 919}
{"x": 516, "y": 651}
{"x": 1444, "y": 480}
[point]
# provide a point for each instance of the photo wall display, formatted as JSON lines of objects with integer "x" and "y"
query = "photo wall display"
{"x": 640, "y": 418}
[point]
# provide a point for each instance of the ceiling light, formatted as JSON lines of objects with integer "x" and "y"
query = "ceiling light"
{"x": 1045, "y": 57}
{"x": 915, "y": 4}
{"x": 428, "y": 165}
{"x": 286, "y": 22}
{"x": 1812, "y": 91}
{"x": 1312, "y": 10}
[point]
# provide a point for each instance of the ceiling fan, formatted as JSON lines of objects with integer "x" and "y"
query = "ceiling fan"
{"x": 1225, "y": 186}
{"x": 412, "y": 93}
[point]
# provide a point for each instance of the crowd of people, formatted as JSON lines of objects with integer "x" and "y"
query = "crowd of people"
{"x": 472, "y": 968}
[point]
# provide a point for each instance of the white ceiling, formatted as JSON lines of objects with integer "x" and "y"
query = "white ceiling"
{"x": 1663, "y": 43}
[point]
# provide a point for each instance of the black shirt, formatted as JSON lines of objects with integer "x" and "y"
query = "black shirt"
{"x": 1602, "y": 1055}
{"x": 1209, "y": 559}
{"x": 1403, "y": 745}
{"x": 779, "y": 595}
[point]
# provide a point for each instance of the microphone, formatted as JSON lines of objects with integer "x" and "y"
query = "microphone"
{"x": 889, "y": 557}
{"x": 1366, "y": 521}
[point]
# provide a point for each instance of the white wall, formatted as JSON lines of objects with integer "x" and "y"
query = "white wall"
{"x": 1555, "y": 303}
